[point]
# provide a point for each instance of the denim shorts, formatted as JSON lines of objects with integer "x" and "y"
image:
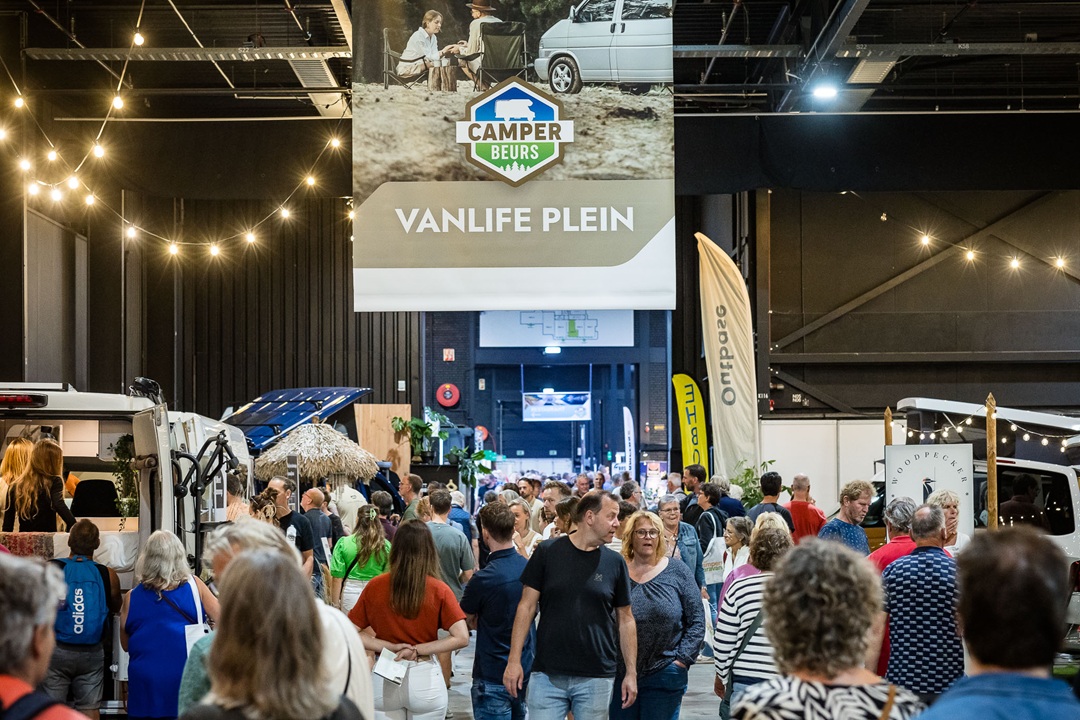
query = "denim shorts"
{"x": 550, "y": 697}
{"x": 80, "y": 671}
{"x": 491, "y": 701}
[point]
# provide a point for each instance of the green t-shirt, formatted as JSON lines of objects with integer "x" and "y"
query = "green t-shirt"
{"x": 345, "y": 551}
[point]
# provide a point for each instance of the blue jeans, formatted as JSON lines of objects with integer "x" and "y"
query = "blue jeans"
{"x": 714, "y": 608}
{"x": 490, "y": 701}
{"x": 552, "y": 696}
{"x": 659, "y": 697}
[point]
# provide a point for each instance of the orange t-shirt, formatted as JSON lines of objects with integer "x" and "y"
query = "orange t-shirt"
{"x": 439, "y": 610}
{"x": 12, "y": 688}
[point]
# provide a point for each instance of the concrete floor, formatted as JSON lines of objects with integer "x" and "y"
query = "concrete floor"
{"x": 699, "y": 703}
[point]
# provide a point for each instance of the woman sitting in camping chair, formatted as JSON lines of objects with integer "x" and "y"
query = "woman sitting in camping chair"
{"x": 422, "y": 51}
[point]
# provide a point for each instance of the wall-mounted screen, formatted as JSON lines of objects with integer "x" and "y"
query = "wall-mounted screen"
{"x": 556, "y": 406}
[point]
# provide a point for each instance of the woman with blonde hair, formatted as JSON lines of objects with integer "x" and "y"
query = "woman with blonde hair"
{"x": 821, "y": 604}
{"x": 402, "y": 611}
{"x": 670, "y": 618}
{"x": 166, "y": 599}
{"x": 358, "y": 558}
{"x": 949, "y": 502}
{"x": 274, "y": 675}
{"x": 36, "y": 496}
{"x": 16, "y": 458}
{"x": 744, "y": 655}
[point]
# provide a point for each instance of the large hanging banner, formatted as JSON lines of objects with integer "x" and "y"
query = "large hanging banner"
{"x": 729, "y": 358}
{"x": 515, "y": 157}
{"x": 695, "y": 448}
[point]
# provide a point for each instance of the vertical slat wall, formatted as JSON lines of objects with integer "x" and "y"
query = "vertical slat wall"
{"x": 270, "y": 315}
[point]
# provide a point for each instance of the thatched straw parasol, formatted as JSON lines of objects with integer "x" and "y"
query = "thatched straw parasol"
{"x": 321, "y": 451}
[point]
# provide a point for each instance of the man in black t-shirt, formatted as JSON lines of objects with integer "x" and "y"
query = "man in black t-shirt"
{"x": 583, "y": 592}
{"x": 295, "y": 526}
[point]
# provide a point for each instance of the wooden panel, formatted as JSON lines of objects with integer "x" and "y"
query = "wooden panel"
{"x": 373, "y": 429}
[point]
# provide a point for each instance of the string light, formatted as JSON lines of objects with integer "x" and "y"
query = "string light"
{"x": 925, "y": 240}
{"x": 335, "y": 143}
{"x": 90, "y": 199}
{"x": 138, "y": 39}
{"x": 73, "y": 182}
{"x": 1014, "y": 263}
{"x": 352, "y": 214}
{"x": 118, "y": 102}
{"x": 1027, "y": 436}
{"x": 3, "y": 134}
{"x": 1045, "y": 441}
{"x": 52, "y": 155}
{"x": 1059, "y": 263}
{"x": 98, "y": 151}
{"x": 24, "y": 165}
{"x": 250, "y": 237}
{"x": 33, "y": 188}
{"x": 174, "y": 249}
{"x": 56, "y": 195}
{"x": 310, "y": 181}
{"x": 970, "y": 255}
{"x": 1013, "y": 427}
{"x": 19, "y": 102}
{"x": 214, "y": 249}
{"x": 131, "y": 232}
{"x": 285, "y": 212}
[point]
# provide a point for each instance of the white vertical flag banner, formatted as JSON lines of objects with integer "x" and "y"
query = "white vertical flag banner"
{"x": 631, "y": 440}
{"x": 729, "y": 357}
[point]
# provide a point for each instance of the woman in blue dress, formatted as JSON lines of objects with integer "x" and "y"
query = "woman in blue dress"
{"x": 153, "y": 619}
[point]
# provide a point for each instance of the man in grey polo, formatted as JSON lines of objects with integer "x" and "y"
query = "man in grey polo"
{"x": 455, "y": 555}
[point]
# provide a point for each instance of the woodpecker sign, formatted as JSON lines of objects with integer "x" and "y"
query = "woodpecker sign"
{"x": 514, "y": 131}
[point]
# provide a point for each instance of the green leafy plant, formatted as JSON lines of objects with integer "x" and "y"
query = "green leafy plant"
{"x": 470, "y": 465}
{"x": 126, "y": 477}
{"x": 420, "y": 431}
{"x": 748, "y": 478}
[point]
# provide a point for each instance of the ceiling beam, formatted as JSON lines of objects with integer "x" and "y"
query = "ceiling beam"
{"x": 882, "y": 51}
{"x": 189, "y": 54}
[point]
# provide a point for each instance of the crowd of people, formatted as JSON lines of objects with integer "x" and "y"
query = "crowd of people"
{"x": 587, "y": 599}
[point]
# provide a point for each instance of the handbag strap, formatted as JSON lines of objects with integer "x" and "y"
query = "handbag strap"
{"x": 887, "y": 710}
{"x": 177, "y": 608}
{"x": 195, "y": 598}
{"x": 755, "y": 625}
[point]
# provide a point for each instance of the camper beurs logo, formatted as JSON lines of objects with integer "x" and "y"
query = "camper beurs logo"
{"x": 514, "y": 131}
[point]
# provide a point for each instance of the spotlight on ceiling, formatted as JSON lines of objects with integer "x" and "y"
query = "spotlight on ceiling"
{"x": 824, "y": 91}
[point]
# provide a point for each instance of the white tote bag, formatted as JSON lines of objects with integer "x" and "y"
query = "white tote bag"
{"x": 713, "y": 561}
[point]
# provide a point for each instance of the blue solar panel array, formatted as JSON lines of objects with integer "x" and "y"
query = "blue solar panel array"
{"x": 269, "y": 417}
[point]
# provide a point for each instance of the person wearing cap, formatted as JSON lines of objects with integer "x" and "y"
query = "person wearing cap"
{"x": 482, "y": 12}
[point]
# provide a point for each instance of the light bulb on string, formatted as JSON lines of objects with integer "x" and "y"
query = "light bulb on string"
{"x": 1014, "y": 263}
{"x": 19, "y": 102}
{"x": 33, "y": 188}
{"x": 968, "y": 421}
{"x": 911, "y": 433}
{"x": 138, "y": 39}
{"x": 52, "y": 155}
{"x": 1027, "y": 436}
{"x": 922, "y": 436}
{"x": 945, "y": 433}
{"x": 933, "y": 436}
{"x": 174, "y": 249}
{"x": 3, "y": 134}
{"x": 925, "y": 240}
{"x": 56, "y": 195}
{"x": 90, "y": 199}
{"x": 352, "y": 214}
{"x": 959, "y": 429}
{"x": 1013, "y": 427}
{"x": 98, "y": 150}
{"x": 1045, "y": 441}
{"x": 1004, "y": 440}
{"x": 285, "y": 212}
{"x": 73, "y": 182}
{"x": 1063, "y": 441}
{"x": 1059, "y": 263}
{"x": 310, "y": 180}
{"x": 24, "y": 165}
{"x": 131, "y": 232}
{"x": 118, "y": 102}
{"x": 214, "y": 249}
{"x": 250, "y": 237}
{"x": 970, "y": 255}
{"x": 335, "y": 143}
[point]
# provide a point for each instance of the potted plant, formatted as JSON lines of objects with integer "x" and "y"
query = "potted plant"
{"x": 126, "y": 476}
{"x": 470, "y": 465}
{"x": 747, "y": 477}
{"x": 421, "y": 433}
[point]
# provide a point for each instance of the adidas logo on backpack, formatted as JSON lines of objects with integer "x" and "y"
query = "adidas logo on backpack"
{"x": 81, "y": 617}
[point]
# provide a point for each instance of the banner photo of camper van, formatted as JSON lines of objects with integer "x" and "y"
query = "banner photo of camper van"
{"x": 508, "y": 155}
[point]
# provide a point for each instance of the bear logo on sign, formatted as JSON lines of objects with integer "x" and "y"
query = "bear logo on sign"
{"x": 514, "y": 131}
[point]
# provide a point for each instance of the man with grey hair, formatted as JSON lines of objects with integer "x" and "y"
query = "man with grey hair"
{"x": 29, "y": 593}
{"x": 926, "y": 654}
{"x": 807, "y": 517}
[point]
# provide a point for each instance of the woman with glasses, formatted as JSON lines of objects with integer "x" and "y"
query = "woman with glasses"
{"x": 681, "y": 539}
{"x": 36, "y": 496}
{"x": 666, "y": 603}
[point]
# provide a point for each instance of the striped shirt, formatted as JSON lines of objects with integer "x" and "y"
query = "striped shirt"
{"x": 741, "y": 605}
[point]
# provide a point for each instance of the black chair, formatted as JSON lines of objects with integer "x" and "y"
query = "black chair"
{"x": 95, "y": 498}
{"x": 505, "y": 56}
{"x": 391, "y": 58}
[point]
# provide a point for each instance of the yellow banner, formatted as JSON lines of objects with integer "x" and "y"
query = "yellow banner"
{"x": 695, "y": 449}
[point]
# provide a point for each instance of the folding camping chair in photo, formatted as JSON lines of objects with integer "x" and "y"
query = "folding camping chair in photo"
{"x": 397, "y": 38}
{"x": 504, "y": 54}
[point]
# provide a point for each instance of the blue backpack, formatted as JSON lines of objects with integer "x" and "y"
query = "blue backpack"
{"x": 81, "y": 616}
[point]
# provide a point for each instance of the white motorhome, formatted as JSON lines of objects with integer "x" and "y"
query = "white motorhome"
{"x": 1043, "y": 445}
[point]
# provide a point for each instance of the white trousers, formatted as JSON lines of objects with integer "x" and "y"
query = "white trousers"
{"x": 350, "y": 593}
{"x": 421, "y": 696}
